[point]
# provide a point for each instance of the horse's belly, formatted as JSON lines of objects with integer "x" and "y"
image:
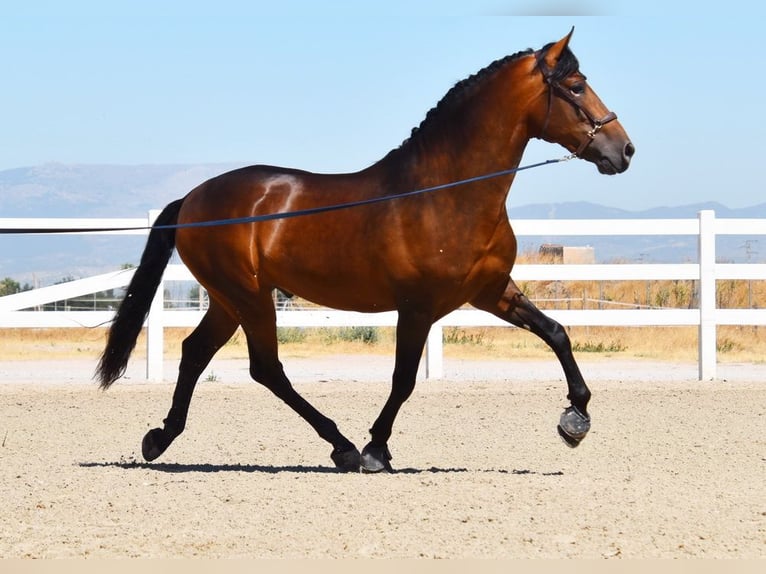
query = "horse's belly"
{"x": 363, "y": 292}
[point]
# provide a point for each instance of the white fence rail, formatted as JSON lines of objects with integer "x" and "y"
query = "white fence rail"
{"x": 706, "y": 317}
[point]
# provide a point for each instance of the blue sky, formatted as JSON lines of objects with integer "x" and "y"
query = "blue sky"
{"x": 333, "y": 86}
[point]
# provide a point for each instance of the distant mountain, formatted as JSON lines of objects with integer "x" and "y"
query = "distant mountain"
{"x": 585, "y": 210}
{"x": 650, "y": 248}
{"x": 57, "y": 190}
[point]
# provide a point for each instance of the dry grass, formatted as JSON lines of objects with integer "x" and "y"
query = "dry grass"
{"x": 735, "y": 344}
{"x": 678, "y": 294}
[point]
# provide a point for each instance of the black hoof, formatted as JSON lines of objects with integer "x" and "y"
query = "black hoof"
{"x": 570, "y": 441}
{"x": 376, "y": 459}
{"x": 347, "y": 460}
{"x": 154, "y": 444}
{"x": 573, "y": 426}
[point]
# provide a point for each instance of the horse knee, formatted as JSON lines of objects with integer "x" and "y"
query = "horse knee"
{"x": 558, "y": 337}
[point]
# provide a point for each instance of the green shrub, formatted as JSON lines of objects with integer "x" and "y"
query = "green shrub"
{"x": 600, "y": 347}
{"x": 291, "y": 335}
{"x": 458, "y": 336}
{"x": 366, "y": 335}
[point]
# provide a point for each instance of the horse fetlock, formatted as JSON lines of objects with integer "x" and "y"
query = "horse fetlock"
{"x": 573, "y": 426}
{"x": 376, "y": 459}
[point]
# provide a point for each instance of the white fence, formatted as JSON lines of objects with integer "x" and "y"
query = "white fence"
{"x": 707, "y": 317}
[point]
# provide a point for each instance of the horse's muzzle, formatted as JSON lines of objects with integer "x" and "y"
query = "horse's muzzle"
{"x": 611, "y": 164}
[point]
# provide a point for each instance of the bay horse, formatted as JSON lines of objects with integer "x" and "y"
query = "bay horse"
{"x": 422, "y": 256}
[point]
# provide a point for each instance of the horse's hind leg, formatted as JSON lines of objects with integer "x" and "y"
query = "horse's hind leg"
{"x": 261, "y": 330}
{"x": 513, "y": 306}
{"x": 198, "y": 349}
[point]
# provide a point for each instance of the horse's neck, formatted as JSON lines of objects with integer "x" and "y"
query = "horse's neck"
{"x": 454, "y": 154}
{"x": 486, "y": 133}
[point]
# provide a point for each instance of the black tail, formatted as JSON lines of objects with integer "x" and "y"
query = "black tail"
{"x": 134, "y": 308}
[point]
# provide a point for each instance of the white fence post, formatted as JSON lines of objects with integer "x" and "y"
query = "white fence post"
{"x": 707, "y": 289}
{"x": 435, "y": 353}
{"x": 154, "y": 326}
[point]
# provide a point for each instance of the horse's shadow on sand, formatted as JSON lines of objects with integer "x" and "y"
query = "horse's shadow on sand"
{"x": 206, "y": 468}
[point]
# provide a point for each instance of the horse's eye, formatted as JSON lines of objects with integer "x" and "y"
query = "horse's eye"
{"x": 577, "y": 89}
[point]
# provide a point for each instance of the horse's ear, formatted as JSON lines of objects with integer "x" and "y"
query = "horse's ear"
{"x": 554, "y": 52}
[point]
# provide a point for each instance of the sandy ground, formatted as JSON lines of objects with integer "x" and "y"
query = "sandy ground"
{"x": 673, "y": 467}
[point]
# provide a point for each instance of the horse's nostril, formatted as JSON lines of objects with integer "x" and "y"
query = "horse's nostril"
{"x": 629, "y": 150}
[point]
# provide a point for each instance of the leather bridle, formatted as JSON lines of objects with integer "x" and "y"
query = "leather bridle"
{"x": 556, "y": 88}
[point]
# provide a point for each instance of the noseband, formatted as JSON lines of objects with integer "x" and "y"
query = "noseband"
{"x": 555, "y": 88}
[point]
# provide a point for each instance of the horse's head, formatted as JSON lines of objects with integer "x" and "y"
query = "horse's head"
{"x": 571, "y": 114}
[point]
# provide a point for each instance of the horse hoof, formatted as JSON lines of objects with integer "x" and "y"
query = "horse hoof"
{"x": 573, "y": 426}
{"x": 376, "y": 459}
{"x": 154, "y": 444}
{"x": 347, "y": 460}
{"x": 570, "y": 441}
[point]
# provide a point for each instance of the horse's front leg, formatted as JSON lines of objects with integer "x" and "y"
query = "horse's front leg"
{"x": 514, "y": 307}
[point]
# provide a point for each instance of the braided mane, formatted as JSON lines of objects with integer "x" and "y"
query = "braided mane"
{"x": 566, "y": 66}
